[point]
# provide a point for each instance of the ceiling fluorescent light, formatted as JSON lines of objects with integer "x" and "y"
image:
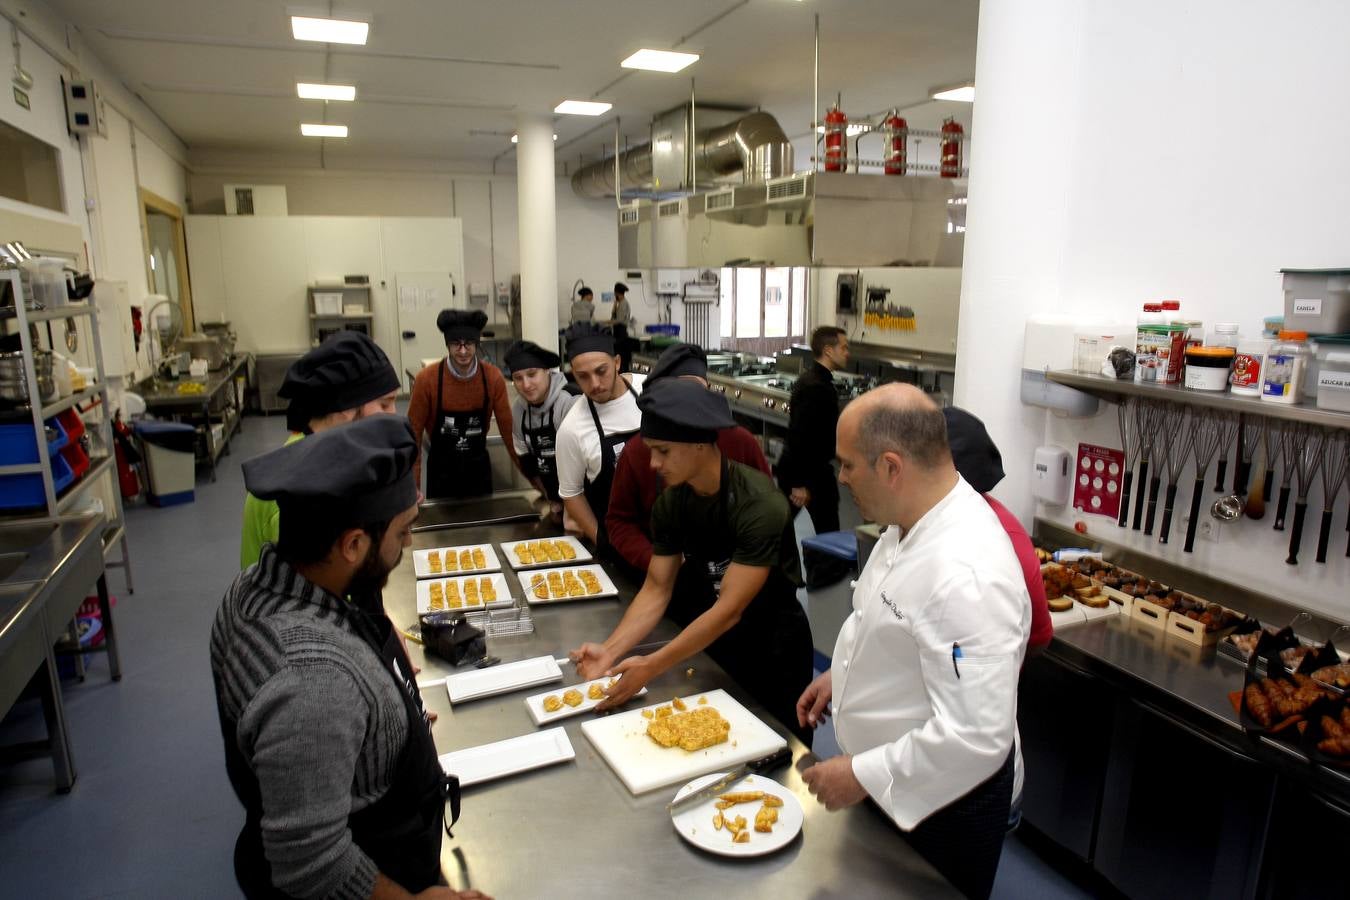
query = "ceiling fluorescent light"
{"x": 308, "y": 91}
{"x": 582, "y": 108}
{"x": 329, "y": 31}
{"x": 309, "y": 129}
{"x": 515, "y": 138}
{"x": 659, "y": 60}
{"x": 961, "y": 93}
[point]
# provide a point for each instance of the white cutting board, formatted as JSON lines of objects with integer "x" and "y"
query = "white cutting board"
{"x": 643, "y": 765}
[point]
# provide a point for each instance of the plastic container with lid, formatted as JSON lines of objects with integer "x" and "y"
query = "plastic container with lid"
{"x": 1207, "y": 368}
{"x": 1247, "y": 366}
{"x": 1285, "y": 368}
{"x": 1152, "y": 315}
{"x": 1171, "y": 310}
{"x": 1271, "y": 326}
{"x": 1225, "y": 335}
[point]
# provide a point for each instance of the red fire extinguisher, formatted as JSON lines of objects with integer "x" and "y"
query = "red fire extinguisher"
{"x": 836, "y": 147}
{"x": 952, "y": 137}
{"x": 895, "y": 130}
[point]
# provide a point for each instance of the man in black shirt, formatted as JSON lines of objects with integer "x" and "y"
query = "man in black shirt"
{"x": 807, "y": 469}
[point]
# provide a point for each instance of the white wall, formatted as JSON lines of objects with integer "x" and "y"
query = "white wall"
{"x": 933, "y": 293}
{"x": 1074, "y": 208}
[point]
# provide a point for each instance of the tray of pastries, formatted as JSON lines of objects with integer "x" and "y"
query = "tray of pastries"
{"x": 466, "y": 592}
{"x": 562, "y": 585}
{"x": 559, "y": 551}
{"x": 443, "y": 561}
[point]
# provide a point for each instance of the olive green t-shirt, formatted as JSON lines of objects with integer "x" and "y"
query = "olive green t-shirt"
{"x": 758, "y": 520}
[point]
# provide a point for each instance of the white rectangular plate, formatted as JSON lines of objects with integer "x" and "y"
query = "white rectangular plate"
{"x": 498, "y": 581}
{"x": 422, "y": 568}
{"x": 509, "y": 551}
{"x": 535, "y": 704}
{"x": 502, "y": 679}
{"x": 607, "y": 588}
{"x": 475, "y": 765}
{"x": 642, "y": 765}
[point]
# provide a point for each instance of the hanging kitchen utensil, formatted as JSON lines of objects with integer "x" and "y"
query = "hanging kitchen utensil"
{"x": 1163, "y": 448}
{"x": 1250, "y": 431}
{"x": 1335, "y": 460}
{"x": 1150, "y": 421}
{"x": 1307, "y": 462}
{"x": 1270, "y": 443}
{"x": 1228, "y": 433}
{"x": 1128, "y": 416}
{"x": 1206, "y": 429}
{"x": 1179, "y": 423}
{"x": 1292, "y": 438}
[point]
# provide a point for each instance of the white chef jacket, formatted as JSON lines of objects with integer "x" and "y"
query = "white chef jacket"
{"x": 920, "y": 736}
{"x": 577, "y": 451}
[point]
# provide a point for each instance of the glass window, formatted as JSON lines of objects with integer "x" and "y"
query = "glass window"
{"x": 726, "y": 301}
{"x": 777, "y": 294}
{"x": 30, "y": 170}
{"x": 748, "y": 303}
{"x": 801, "y": 296}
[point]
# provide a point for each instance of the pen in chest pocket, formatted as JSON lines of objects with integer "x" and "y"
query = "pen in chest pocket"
{"x": 956, "y": 654}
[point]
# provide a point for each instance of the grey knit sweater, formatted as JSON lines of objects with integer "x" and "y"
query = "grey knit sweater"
{"x": 320, "y": 723}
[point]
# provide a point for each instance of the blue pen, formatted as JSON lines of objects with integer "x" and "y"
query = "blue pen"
{"x": 956, "y": 654}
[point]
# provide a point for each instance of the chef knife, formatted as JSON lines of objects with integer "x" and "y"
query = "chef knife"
{"x": 763, "y": 764}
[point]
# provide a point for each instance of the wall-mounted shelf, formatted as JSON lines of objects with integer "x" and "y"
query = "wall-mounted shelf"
{"x": 1112, "y": 389}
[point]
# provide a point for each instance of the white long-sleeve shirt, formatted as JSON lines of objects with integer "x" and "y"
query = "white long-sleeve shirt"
{"x": 920, "y": 736}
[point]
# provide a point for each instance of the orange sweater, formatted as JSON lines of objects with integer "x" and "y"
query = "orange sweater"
{"x": 458, "y": 396}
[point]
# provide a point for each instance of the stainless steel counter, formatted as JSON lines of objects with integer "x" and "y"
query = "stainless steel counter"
{"x": 575, "y": 830}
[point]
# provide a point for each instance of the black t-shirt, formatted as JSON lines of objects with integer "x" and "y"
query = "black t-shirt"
{"x": 758, "y": 519}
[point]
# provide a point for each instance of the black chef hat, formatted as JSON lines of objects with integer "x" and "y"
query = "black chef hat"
{"x": 461, "y": 324}
{"x": 684, "y": 412}
{"x": 973, "y": 451}
{"x": 342, "y": 373}
{"x": 356, "y": 473}
{"x": 588, "y": 337}
{"x": 529, "y": 355}
{"x": 585, "y": 292}
{"x": 620, "y": 287}
{"x": 679, "y": 359}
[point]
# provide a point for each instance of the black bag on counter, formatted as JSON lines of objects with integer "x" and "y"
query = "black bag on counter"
{"x": 450, "y": 636}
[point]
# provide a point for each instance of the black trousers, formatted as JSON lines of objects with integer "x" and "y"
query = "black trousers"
{"x": 824, "y": 505}
{"x": 964, "y": 839}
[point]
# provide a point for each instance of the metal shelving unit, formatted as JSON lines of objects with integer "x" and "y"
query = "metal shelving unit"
{"x": 114, "y": 531}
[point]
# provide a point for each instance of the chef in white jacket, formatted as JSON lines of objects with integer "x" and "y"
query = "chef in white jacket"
{"x": 924, "y": 677}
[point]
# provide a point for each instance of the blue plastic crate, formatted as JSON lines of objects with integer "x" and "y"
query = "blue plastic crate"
{"x": 17, "y": 446}
{"x": 670, "y": 330}
{"x": 25, "y": 491}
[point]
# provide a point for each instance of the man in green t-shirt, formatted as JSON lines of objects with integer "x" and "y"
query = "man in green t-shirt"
{"x": 347, "y": 377}
{"x": 724, "y": 565}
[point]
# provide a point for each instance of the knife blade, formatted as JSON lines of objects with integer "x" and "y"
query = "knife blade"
{"x": 757, "y": 766}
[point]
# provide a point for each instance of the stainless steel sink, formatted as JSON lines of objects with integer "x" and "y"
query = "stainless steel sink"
{"x": 9, "y": 562}
{"x": 23, "y": 538}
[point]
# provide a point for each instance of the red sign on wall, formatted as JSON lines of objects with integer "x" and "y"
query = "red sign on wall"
{"x": 1097, "y": 480}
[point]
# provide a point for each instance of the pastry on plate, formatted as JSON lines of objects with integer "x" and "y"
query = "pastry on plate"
{"x": 596, "y": 691}
{"x": 552, "y": 703}
{"x": 572, "y": 697}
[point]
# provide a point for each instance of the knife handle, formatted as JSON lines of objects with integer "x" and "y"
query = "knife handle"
{"x": 772, "y": 761}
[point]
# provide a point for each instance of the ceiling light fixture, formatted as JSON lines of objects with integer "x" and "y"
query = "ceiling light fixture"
{"x": 961, "y": 93}
{"x": 329, "y": 31}
{"x": 515, "y": 138}
{"x": 659, "y": 60}
{"x": 582, "y": 108}
{"x": 307, "y": 91}
{"x": 310, "y": 129}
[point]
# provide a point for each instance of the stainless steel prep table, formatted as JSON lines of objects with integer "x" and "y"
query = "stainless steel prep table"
{"x": 575, "y": 830}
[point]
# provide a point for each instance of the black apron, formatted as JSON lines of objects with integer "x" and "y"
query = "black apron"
{"x": 541, "y": 461}
{"x": 400, "y": 832}
{"x": 597, "y": 491}
{"x": 458, "y": 464}
{"x": 769, "y": 651}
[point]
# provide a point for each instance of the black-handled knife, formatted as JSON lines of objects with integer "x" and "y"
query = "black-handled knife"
{"x": 720, "y": 785}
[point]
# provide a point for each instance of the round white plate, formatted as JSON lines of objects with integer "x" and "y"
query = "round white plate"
{"x": 695, "y": 823}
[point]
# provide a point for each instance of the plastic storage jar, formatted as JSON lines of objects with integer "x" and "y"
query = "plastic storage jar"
{"x": 1207, "y": 368}
{"x": 1225, "y": 335}
{"x": 1247, "y": 366}
{"x": 1285, "y": 368}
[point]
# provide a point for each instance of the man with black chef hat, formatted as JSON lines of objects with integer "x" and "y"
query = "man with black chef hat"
{"x": 452, "y": 404}
{"x": 536, "y": 414}
{"x": 636, "y": 485}
{"x": 724, "y": 565}
{"x": 327, "y": 744}
{"x": 345, "y": 378}
{"x": 924, "y": 676}
{"x": 583, "y": 308}
{"x": 595, "y": 432}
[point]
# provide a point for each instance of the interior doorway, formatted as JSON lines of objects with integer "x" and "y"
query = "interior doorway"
{"x": 166, "y": 268}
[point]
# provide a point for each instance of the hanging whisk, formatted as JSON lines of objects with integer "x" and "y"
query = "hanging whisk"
{"x": 1306, "y": 462}
{"x": 1206, "y": 431}
{"x": 1179, "y": 424}
{"x": 1249, "y": 433}
{"x": 1128, "y": 413}
{"x": 1292, "y": 438}
{"x": 1335, "y": 460}
{"x": 1163, "y": 448}
{"x": 1260, "y": 495}
{"x": 1150, "y": 424}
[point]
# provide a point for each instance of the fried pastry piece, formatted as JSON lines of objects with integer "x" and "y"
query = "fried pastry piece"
{"x": 596, "y": 691}
{"x": 554, "y": 554}
{"x": 702, "y": 701}
{"x": 743, "y": 796}
{"x": 663, "y": 711}
{"x": 541, "y": 590}
{"x": 722, "y": 804}
{"x": 465, "y": 560}
{"x": 573, "y": 698}
{"x": 572, "y": 586}
{"x": 717, "y": 822}
{"x": 552, "y": 703}
{"x": 646, "y": 714}
{"x": 434, "y": 562}
{"x": 1336, "y": 734}
{"x": 566, "y": 549}
{"x": 590, "y": 582}
{"x": 765, "y": 819}
{"x": 679, "y": 704}
{"x": 452, "y": 590}
{"x": 694, "y": 730}
{"x": 479, "y": 558}
{"x": 523, "y": 554}
{"x": 555, "y": 584}
{"x": 487, "y": 589}
{"x": 454, "y": 603}
{"x": 772, "y": 801}
{"x": 742, "y": 837}
{"x": 451, "y": 561}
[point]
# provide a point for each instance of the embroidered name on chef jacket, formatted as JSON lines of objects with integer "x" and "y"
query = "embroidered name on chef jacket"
{"x": 890, "y": 604}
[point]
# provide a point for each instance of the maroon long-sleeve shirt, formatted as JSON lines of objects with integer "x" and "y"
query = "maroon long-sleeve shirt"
{"x": 629, "y": 520}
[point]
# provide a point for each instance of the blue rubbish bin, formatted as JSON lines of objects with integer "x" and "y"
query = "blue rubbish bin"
{"x": 170, "y": 461}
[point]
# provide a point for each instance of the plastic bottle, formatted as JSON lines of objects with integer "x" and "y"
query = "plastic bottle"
{"x": 1225, "y": 335}
{"x": 1171, "y": 310}
{"x": 1248, "y": 366}
{"x": 1285, "y": 368}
